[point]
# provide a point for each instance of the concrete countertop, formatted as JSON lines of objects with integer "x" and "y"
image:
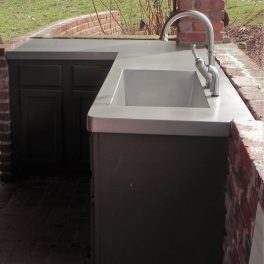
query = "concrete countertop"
{"x": 87, "y": 49}
{"x": 142, "y": 54}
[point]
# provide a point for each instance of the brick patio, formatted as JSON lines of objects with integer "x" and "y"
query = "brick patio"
{"x": 45, "y": 220}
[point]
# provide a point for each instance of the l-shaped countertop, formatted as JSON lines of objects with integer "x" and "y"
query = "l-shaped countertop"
{"x": 105, "y": 117}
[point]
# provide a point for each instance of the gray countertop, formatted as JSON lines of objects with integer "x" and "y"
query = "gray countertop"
{"x": 142, "y": 54}
{"x": 88, "y": 49}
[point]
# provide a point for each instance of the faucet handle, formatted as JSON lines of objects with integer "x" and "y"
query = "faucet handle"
{"x": 201, "y": 66}
{"x": 194, "y": 52}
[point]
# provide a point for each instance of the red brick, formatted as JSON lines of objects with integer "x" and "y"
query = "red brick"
{"x": 2, "y": 51}
{"x": 241, "y": 258}
{"x": 239, "y": 228}
{"x": 65, "y": 27}
{"x": 246, "y": 245}
{"x": 231, "y": 73}
{"x": 257, "y": 107}
{"x": 116, "y": 16}
{"x": 4, "y": 83}
{"x": 68, "y": 32}
{"x": 82, "y": 27}
{"x": 4, "y": 94}
{"x": 4, "y": 106}
{"x": 251, "y": 93}
{"x": 252, "y": 201}
{"x": 6, "y": 46}
{"x": 199, "y": 37}
{"x": 231, "y": 151}
{"x": 216, "y": 15}
{"x": 3, "y": 73}
{"x": 185, "y": 26}
{"x": 85, "y": 20}
{"x": 199, "y": 26}
{"x": 88, "y": 19}
{"x": 261, "y": 194}
{"x": 57, "y": 30}
{"x": 243, "y": 181}
{"x": 218, "y": 26}
{"x": 3, "y": 62}
{"x": 234, "y": 132}
{"x": 104, "y": 15}
{"x": 5, "y": 166}
{"x": 218, "y": 37}
{"x": 104, "y": 21}
{"x": 255, "y": 149}
{"x": 185, "y": 4}
{"x": 209, "y": 4}
{"x": 246, "y": 161}
{"x": 247, "y": 217}
{"x": 237, "y": 163}
{"x": 108, "y": 16}
{"x": 93, "y": 24}
{"x": 114, "y": 24}
{"x": 4, "y": 136}
{"x": 5, "y": 146}
{"x": 106, "y": 26}
{"x": 234, "y": 187}
{"x": 115, "y": 13}
{"x": 4, "y": 116}
{"x": 242, "y": 81}
{"x": 247, "y": 184}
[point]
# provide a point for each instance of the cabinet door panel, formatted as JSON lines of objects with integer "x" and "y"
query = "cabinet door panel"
{"x": 77, "y": 135}
{"x": 41, "y": 124}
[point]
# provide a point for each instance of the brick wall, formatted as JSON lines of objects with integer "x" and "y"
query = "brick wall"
{"x": 245, "y": 189}
{"x": 245, "y": 76}
{"x": 191, "y": 30}
{"x": 5, "y": 143}
{"x": 245, "y": 181}
{"x": 102, "y": 23}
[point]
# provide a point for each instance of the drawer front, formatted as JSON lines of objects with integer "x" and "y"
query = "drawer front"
{"x": 40, "y": 75}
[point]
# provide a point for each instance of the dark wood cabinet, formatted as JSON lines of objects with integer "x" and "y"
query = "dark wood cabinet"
{"x": 41, "y": 125}
{"x": 49, "y": 103}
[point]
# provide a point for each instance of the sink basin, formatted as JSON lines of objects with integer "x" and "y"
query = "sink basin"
{"x": 159, "y": 88}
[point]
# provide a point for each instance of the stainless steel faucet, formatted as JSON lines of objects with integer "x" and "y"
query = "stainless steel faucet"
{"x": 209, "y": 72}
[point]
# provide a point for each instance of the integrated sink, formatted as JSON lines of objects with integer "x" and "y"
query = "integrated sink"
{"x": 159, "y": 88}
{"x": 154, "y": 88}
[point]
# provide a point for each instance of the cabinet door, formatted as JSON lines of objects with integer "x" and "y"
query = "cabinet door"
{"x": 80, "y": 153}
{"x": 82, "y": 81}
{"x": 41, "y": 127}
{"x": 49, "y": 104}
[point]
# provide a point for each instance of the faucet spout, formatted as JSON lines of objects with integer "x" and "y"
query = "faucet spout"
{"x": 209, "y": 72}
{"x": 200, "y": 16}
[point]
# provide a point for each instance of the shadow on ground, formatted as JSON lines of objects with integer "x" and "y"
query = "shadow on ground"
{"x": 45, "y": 220}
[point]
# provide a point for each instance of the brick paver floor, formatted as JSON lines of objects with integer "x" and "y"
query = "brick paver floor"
{"x": 45, "y": 220}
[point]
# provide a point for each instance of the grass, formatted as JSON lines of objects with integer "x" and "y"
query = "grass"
{"x": 245, "y": 11}
{"x": 18, "y": 17}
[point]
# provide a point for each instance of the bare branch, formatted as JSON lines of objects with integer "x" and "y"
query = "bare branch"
{"x": 98, "y": 17}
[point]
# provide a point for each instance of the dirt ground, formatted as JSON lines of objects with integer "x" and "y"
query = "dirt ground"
{"x": 251, "y": 40}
